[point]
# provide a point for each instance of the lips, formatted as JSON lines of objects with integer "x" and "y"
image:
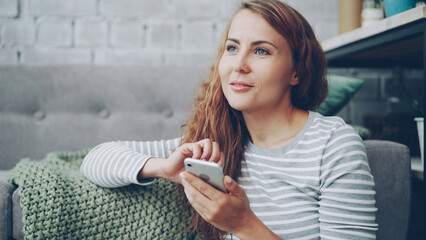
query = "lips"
{"x": 240, "y": 86}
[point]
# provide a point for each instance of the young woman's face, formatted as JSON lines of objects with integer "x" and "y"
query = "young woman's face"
{"x": 256, "y": 68}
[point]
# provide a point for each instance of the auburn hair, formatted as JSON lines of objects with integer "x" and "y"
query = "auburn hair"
{"x": 212, "y": 117}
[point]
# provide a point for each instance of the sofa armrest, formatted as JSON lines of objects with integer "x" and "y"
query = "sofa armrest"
{"x": 6, "y": 192}
{"x": 17, "y": 224}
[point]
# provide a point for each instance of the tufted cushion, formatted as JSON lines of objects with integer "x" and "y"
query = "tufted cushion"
{"x": 68, "y": 108}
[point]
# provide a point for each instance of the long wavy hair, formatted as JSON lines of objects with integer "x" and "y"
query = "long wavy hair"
{"x": 212, "y": 117}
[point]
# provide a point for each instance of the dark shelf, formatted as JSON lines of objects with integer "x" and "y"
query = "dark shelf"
{"x": 402, "y": 46}
{"x": 406, "y": 54}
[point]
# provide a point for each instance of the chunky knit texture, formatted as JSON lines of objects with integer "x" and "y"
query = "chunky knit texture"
{"x": 59, "y": 203}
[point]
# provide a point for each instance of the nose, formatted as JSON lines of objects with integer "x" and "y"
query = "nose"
{"x": 242, "y": 64}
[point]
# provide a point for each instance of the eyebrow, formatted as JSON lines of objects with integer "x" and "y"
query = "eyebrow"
{"x": 255, "y": 43}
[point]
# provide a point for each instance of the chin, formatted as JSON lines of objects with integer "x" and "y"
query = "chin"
{"x": 239, "y": 107}
{"x": 239, "y": 103}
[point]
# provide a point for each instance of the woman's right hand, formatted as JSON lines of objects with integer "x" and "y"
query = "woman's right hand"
{"x": 171, "y": 167}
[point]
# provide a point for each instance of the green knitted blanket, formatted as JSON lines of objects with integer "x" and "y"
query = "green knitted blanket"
{"x": 59, "y": 203}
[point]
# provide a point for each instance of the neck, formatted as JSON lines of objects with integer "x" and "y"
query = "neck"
{"x": 276, "y": 128}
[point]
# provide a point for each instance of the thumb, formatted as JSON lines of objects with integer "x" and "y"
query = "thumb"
{"x": 233, "y": 187}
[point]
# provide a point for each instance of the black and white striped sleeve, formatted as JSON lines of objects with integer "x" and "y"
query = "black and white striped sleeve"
{"x": 117, "y": 164}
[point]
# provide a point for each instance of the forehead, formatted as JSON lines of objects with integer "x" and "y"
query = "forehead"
{"x": 246, "y": 23}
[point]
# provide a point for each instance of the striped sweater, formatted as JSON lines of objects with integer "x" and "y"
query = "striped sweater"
{"x": 319, "y": 186}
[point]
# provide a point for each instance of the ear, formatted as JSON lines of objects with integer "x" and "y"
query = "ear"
{"x": 294, "y": 79}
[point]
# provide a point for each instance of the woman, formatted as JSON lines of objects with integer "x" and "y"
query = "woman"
{"x": 290, "y": 172}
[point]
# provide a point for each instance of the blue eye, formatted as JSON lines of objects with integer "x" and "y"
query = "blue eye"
{"x": 231, "y": 48}
{"x": 261, "y": 51}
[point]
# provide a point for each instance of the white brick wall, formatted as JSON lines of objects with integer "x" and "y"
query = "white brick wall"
{"x": 8, "y": 8}
{"x": 56, "y": 32}
{"x": 198, "y": 34}
{"x": 164, "y": 35}
{"x": 63, "y": 7}
{"x": 127, "y": 34}
{"x": 8, "y": 57}
{"x": 200, "y": 9}
{"x": 42, "y": 56}
{"x": 149, "y": 31}
{"x": 132, "y": 8}
{"x": 18, "y": 33}
{"x": 91, "y": 33}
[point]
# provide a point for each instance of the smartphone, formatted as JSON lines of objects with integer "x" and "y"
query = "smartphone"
{"x": 210, "y": 172}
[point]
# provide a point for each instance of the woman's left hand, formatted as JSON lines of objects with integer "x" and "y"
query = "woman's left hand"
{"x": 229, "y": 212}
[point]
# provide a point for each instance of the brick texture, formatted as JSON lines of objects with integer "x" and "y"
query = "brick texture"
{"x": 18, "y": 33}
{"x": 126, "y": 8}
{"x": 164, "y": 35}
{"x": 127, "y": 34}
{"x": 8, "y": 56}
{"x": 55, "y": 56}
{"x": 199, "y": 34}
{"x": 130, "y": 31}
{"x": 91, "y": 33}
{"x": 8, "y": 8}
{"x": 57, "y": 33}
{"x": 63, "y": 7}
{"x": 201, "y": 9}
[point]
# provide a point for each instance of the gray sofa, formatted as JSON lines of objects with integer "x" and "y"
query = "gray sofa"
{"x": 68, "y": 108}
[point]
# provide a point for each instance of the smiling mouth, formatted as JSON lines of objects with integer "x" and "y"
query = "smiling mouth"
{"x": 240, "y": 84}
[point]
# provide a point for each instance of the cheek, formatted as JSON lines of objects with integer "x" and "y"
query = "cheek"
{"x": 273, "y": 86}
{"x": 223, "y": 74}
{"x": 222, "y": 68}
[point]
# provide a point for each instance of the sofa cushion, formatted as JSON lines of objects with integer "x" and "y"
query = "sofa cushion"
{"x": 6, "y": 191}
{"x": 390, "y": 165}
{"x": 88, "y": 105}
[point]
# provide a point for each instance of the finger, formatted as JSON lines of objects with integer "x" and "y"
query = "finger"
{"x": 233, "y": 187}
{"x": 196, "y": 151}
{"x": 190, "y": 150}
{"x": 197, "y": 199}
{"x": 206, "y": 145}
{"x": 203, "y": 187}
{"x": 200, "y": 208}
{"x": 215, "y": 156}
{"x": 221, "y": 161}
{"x": 185, "y": 150}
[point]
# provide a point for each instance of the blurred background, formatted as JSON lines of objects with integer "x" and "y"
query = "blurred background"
{"x": 186, "y": 32}
{"x": 157, "y": 32}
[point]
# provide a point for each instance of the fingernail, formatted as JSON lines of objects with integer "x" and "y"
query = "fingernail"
{"x": 182, "y": 175}
{"x": 228, "y": 179}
